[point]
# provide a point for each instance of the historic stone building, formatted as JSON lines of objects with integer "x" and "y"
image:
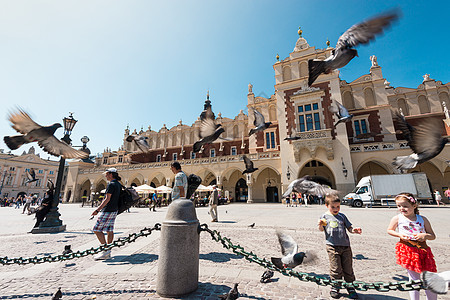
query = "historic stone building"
{"x": 13, "y": 175}
{"x": 339, "y": 155}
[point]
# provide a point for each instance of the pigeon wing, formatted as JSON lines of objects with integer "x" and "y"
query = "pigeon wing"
{"x": 406, "y": 129}
{"x": 22, "y": 122}
{"x": 208, "y": 114}
{"x": 427, "y": 138}
{"x": 56, "y": 147}
{"x": 130, "y": 138}
{"x": 287, "y": 243}
{"x": 31, "y": 174}
{"x": 364, "y": 32}
{"x": 207, "y": 128}
{"x": 248, "y": 162}
{"x": 259, "y": 118}
{"x": 343, "y": 112}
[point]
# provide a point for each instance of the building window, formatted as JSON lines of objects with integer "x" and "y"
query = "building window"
{"x": 158, "y": 158}
{"x": 192, "y": 155}
{"x": 9, "y": 180}
{"x": 233, "y": 150}
{"x": 12, "y": 168}
{"x": 105, "y": 160}
{"x": 24, "y": 180}
{"x": 40, "y": 171}
{"x": 174, "y": 156}
{"x": 38, "y": 182}
{"x": 52, "y": 172}
{"x": 270, "y": 140}
{"x": 212, "y": 153}
{"x": 27, "y": 170}
{"x": 308, "y": 117}
{"x": 120, "y": 158}
{"x": 361, "y": 127}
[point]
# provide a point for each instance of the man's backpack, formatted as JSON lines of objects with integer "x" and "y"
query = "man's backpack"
{"x": 127, "y": 198}
{"x": 193, "y": 182}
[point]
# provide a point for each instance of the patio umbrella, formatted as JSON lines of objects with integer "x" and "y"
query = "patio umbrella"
{"x": 163, "y": 189}
{"x": 145, "y": 188}
{"x": 202, "y": 188}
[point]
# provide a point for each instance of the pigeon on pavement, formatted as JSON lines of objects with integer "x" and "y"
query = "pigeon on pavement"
{"x": 57, "y": 295}
{"x": 291, "y": 257}
{"x": 425, "y": 140}
{"x": 232, "y": 294}
{"x": 259, "y": 122}
{"x": 344, "y": 52}
{"x": 31, "y": 175}
{"x": 67, "y": 250}
{"x": 341, "y": 112}
{"x": 266, "y": 276}
{"x": 33, "y": 132}
{"x": 140, "y": 141}
{"x": 306, "y": 186}
{"x": 436, "y": 282}
{"x": 209, "y": 130}
{"x": 252, "y": 225}
{"x": 248, "y": 165}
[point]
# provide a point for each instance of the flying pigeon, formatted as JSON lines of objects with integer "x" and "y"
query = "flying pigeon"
{"x": 248, "y": 165}
{"x": 252, "y": 225}
{"x": 259, "y": 122}
{"x": 292, "y": 137}
{"x": 344, "y": 52}
{"x": 33, "y": 132}
{"x": 266, "y": 276}
{"x": 305, "y": 186}
{"x": 31, "y": 175}
{"x": 291, "y": 257}
{"x": 209, "y": 130}
{"x": 232, "y": 294}
{"x": 425, "y": 140}
{"x": 57, "y": 295}
{"x": 67, "y": 250}
{"x": 341, "y": 112}
{"x": 140, "y": 141}
{"x": 436, "y": 282}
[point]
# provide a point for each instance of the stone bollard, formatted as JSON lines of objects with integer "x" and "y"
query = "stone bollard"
{"x": 179, "y": 251}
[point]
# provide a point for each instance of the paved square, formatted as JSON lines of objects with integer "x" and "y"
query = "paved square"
{"x": 131, "y": 272}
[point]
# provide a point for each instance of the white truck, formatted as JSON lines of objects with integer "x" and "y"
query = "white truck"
{"x": 380, "y": 189}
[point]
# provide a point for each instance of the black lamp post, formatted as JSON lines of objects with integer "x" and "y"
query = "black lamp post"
{"x": 52, "y": 223}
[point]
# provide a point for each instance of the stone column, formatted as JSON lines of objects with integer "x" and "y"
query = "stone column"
{"x": 178, "y": 261}
{"x": 250, "y": 186}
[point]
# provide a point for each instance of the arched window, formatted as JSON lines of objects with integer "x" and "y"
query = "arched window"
{"x": 272, "y": 113}
{"x": 443, "y": 97}
{"x": 303, "y": 69}
{"x": 166, "y": 141}
{"x": 174, "y": 140}
{"x": 224, "y": 134}
{"x": 182, "y": 141}
{"x": 401, "y": 104}
{"x": 347, "y": 98}
{"x": 286, "y": 73}
{"x": 369, "y": 97}
{"x": 424, "y": 106}
{"x": 158, "y": 142}
{"x": 191, "y": 138}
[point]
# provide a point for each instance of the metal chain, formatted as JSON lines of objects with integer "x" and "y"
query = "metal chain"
{"x": 63, "y": 257}
{"x": 358, "y": 285}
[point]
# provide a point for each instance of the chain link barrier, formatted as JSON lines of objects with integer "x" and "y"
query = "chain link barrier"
{"x": 64, "y": 257}
{"x": 358, "y": 285}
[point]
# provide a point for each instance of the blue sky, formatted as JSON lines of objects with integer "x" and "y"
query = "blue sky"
{"x": 145, "y": 63}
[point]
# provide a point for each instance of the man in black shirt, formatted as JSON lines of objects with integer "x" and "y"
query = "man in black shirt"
{"x": 108, "y": 209}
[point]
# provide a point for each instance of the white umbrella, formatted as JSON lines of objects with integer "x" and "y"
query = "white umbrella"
{"x": 163, "y": 189}
{"x": 202, "y": 188}
{"x": 210, "y": 188}
{"x": 145, "y": 188}
{"x": 103, "y": 191}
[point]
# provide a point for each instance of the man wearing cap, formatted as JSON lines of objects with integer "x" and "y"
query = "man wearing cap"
{"x": 180, "y": 186}
{"x": 213, "y": 202}
{"x": 108, "y": 212}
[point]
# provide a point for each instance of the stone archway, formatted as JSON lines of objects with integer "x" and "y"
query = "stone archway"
{"x": 241, "y": 191}
{"x": 85, "y": 191}
{"x": 229, "y": 181}
{"x": 371, "y": 168}
{"x": 320, "y": 171}
{"x": 435, "y": 177}
{"x": 267, "y": 185}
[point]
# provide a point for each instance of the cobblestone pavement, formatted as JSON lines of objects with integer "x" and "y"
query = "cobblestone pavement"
{"x": 131, "y": 272}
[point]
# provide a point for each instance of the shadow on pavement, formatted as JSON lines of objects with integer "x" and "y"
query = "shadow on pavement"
{"x": 109, "y": 292}
{"x": 400, "y": 277}
{"x": 379, "y": 296}
{"x": 227, "y": 222}
{"x": 219, "y": 256}
{"x": 134, "y": 259}
{"x": 361, "y": 257}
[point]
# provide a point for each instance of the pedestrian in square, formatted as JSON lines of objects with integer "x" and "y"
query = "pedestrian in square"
{"x": 213, "y": 202}
{"x": 181, "y": 184}
{"x": 335, "y": 225}
{"x": 108, "y": 212}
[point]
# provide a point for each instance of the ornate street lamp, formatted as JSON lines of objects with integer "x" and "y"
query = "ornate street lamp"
{"x": 52, "y": 223}
{"x": 288, "y": 174}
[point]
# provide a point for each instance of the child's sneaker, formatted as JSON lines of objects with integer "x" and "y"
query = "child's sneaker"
{"x": 334, "y": 293}
{"x": 352, "y": 293}
{"x": 103, "y": 255}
